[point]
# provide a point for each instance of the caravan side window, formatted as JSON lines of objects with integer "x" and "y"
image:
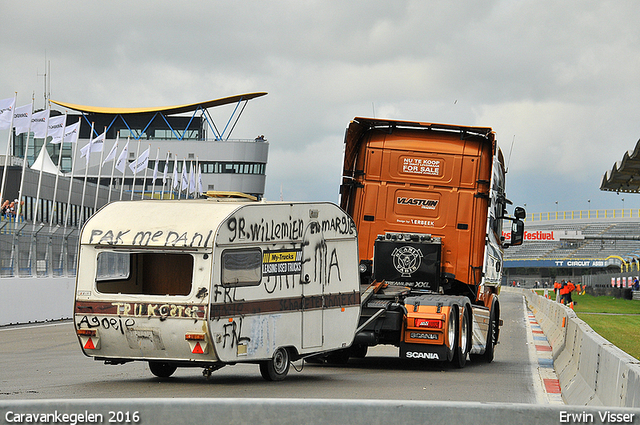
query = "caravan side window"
{"x": 144, "y": 273}
{"x": 241, "y": 267}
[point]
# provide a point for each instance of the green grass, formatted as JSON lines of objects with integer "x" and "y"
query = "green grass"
{"x": 621, "y": 331}
{"x": 621, "y": 326}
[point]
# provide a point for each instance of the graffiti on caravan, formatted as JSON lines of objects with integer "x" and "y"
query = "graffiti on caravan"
{"x": 150, "y": 238}
{"x": 288, "y": 229}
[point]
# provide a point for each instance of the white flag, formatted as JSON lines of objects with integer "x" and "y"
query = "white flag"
{"x": 175, "y": 183}
{"x": 192, "y": 179}
{"x": 122, "y": 159}
{"x": 39, "y": 123}
{"x": 200, "y": 181}
{"x": 112, "y": 153}
{"x": 94, "y": 145}
{"x": 6, "y": 112}
{"x": 70, "y": 133}
{"x": 56, "y": 127}
{"x": 155, "y": 169}
{"x": 22, "y": 118}
{"x": 140, "y": 163}
{"x": 166, "y": 169}
{"x": 184, "y": 183}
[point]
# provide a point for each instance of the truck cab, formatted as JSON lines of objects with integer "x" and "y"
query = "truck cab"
{"x": 429, "y": 204}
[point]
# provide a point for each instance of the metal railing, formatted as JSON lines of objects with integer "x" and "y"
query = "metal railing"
{"x": 28, "y": 250}
{"x": 584, "y": 214}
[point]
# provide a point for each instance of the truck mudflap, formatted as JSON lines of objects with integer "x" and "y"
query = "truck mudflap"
{"x": 424, "y": 352}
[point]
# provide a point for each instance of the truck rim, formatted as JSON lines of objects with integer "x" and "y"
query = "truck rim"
{"x": 451, "y": 332}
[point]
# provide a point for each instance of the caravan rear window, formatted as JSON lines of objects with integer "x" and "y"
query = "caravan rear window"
{"x": 144, "y": 273}
{"x": 241, "y": 267}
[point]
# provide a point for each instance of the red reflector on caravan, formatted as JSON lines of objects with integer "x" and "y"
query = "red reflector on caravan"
{"x": 89, "y": 345}
{"x": 86, "y": 332}
{"x": 428, "y": 323}
{"x": 198, "y": 349}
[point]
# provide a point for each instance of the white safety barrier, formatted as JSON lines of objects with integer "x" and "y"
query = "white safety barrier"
{"x": 300, "y": 411}
{"x": 591, "y": 370}
{"x": 33, "y": 299}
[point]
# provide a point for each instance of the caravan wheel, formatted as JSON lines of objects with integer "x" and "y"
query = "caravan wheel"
{"x": 277, "y": 368}
{"x": 162, "y": 369}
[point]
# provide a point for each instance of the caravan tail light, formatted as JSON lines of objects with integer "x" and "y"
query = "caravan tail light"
{"x": 194, "y": 337}
{"x": 197, "y": 342}
{"x": 89, "y": 339}
{"x": 428, "y": 323}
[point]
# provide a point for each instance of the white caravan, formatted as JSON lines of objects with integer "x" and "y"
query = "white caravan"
{"x": 212, "y": 282}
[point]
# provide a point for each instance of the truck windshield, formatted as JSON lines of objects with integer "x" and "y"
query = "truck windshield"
{"x": 144, "y": 273}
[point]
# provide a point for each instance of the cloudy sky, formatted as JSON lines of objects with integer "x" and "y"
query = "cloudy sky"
{"x": 559, "y": 82}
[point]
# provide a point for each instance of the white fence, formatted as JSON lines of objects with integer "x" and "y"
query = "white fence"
{"x": 32, "y": 299}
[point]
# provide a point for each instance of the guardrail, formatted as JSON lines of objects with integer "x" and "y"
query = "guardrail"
{"x": 591, "y": 370}
{"x": 299, "y": 411}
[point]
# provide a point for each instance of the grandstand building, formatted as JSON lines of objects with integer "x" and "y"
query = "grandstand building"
{"x": 575, "y": 245}
{"x": 182, "y": 136}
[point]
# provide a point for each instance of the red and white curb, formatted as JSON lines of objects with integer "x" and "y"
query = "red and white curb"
{"x": 546, "y": 383}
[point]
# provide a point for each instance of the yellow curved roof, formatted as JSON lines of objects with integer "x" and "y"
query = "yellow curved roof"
{"x": 168, "y": 110}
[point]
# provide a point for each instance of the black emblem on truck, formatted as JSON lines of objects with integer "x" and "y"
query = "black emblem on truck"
{"x": 406, "y": 260}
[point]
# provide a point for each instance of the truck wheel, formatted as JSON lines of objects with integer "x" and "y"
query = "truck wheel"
{"x": 492, "y": 336}
{"x": 452, "y": 333}
{"x": 460, "y": 357}
{"x": 162, "y": 369}
{"x": 276, "y": 368}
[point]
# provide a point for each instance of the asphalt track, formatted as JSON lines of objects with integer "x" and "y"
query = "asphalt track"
{"x": 45, "y": 362}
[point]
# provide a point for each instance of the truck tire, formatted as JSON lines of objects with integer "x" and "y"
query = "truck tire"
{"x": 276, "y": 368}
{"x": 462, "y": 348}
{"x": 162, "y": 369}
{"x": 452, "y": 333}
{"x": 492, "y": 335}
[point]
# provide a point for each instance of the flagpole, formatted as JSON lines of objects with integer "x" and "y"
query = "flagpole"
{"x": 24, "y": 167}
{"x": 54, "y": 209}
{"x": 44, "y": 147}
{"x": 124, "y": 169}
{"x": 183, "y": 177}
{"x": 164, "y": 175}
{"x": 86, "y": 172}
{"x": 6, "y": 156}
{"x": 71, "y": 178}
{"x": 155, "y": 173}
{"x": 135, "y": 171}
{"x": 146, "y": 168}
{"x": 198, "y": 178}
{"x": 95, "y": 203}
{"x": 43, "y": 151}
{"x": 174, "y": 177}
{"x": 113, "y": 167}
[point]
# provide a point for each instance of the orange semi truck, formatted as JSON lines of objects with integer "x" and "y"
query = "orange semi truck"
{"x": 429, "y": 204}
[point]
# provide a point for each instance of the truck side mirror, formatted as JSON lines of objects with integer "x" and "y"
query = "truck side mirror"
{"x": 517, "y": 232}
{"x": 520, "y": 213}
